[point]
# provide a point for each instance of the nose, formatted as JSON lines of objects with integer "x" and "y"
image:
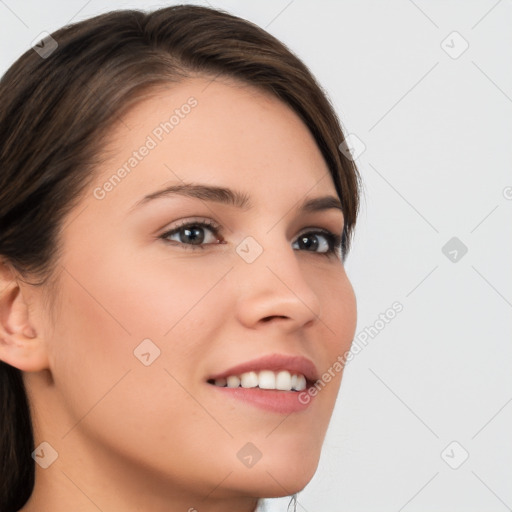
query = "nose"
{"x": 275, "y": 289}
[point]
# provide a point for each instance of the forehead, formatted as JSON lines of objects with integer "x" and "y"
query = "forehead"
{"x": 222, "y": 132}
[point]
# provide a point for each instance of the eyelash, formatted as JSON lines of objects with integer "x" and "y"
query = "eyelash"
{"x": 334, "y": 241}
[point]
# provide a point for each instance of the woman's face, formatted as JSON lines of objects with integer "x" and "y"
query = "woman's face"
{"x": 144, "y": 318}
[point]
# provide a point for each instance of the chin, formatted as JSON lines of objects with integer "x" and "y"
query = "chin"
{"x": 279, "y": 477}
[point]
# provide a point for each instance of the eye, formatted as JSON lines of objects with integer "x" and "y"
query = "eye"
{"x": 191, "y": 235}
{"x": 320, "y": 241}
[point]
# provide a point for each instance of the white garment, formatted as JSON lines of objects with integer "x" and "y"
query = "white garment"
{"x": 261, "y": 506}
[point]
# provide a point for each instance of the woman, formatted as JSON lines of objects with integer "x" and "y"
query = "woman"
{"x": 174, "y": 218}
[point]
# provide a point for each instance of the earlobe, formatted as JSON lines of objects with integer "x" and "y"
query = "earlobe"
{"x": 20, "y": 345}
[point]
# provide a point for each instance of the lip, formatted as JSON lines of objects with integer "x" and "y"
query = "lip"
{"x": 278, "y": 401}
{"x": 274, "y": 362}
{"x": 281, "y": 402}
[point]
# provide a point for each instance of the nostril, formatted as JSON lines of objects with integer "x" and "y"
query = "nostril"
{"x": 269, "y": 318}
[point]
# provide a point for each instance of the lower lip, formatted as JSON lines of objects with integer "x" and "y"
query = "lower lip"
{"x": 283, "y": 402}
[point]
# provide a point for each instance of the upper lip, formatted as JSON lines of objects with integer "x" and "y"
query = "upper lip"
{"x": 274, "y": 362}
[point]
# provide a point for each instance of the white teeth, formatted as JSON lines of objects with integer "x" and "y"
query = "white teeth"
{"x": 284, "y": 380}
{"x": 233, "y": 381}
{"x": 301, "y": 383}
{"x": 265, "y": 379}
{"x": 249, "y": 379}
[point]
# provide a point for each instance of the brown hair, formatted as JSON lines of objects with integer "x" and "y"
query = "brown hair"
{"x": 54, "y": 110}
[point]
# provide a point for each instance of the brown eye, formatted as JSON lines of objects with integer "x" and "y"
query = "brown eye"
{"x": 322, "y": 242}
{"x": 193, "y": 234}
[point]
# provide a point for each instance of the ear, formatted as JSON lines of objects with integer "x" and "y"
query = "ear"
{"x": 20, "y": 345}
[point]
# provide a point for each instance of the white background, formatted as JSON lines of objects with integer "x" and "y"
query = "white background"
{"x": 437, "y": 165}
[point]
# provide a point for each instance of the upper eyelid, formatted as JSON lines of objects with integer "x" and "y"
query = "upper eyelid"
{"x": 206, "y": 223}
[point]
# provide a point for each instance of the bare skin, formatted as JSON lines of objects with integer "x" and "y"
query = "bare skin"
{"x": 159, "y": 438}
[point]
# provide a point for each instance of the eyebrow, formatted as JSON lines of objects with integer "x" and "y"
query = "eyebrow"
{"x": 234, "y": 198}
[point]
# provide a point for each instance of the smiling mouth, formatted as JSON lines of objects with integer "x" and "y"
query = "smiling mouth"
{"x": 282, "y": 380}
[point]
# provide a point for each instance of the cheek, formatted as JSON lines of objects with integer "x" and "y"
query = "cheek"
{"x": 90, "y": 346}
{"x": 110, "y": 396}
{"x": 338, "y": 319}
{"x": 157, "y": 296}
{"x": 339, "y": 312}
{"x": 114, "y": 315}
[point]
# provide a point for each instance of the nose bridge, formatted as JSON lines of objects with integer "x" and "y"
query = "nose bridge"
{"x": 272, "y": 282}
